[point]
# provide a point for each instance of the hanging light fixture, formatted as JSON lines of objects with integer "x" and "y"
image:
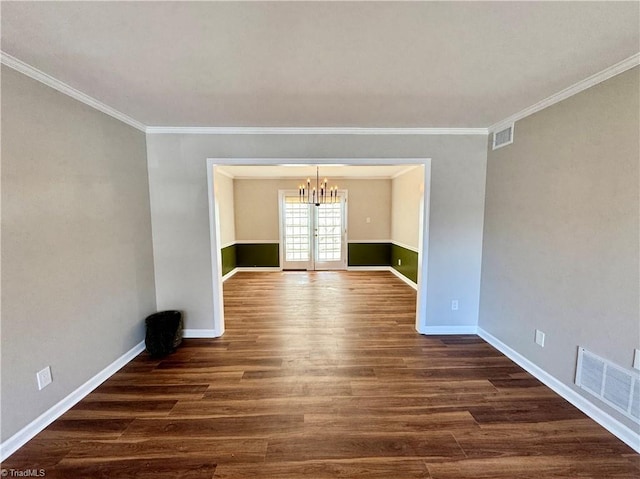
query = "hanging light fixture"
{"x": 319, "y": 194}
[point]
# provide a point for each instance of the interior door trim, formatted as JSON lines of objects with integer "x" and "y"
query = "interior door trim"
{"x": 217, "y": 316}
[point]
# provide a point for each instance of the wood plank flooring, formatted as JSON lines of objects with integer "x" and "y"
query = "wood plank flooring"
{"x": 322, "y": 375}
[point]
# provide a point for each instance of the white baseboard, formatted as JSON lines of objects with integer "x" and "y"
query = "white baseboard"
{"x": 200, "y": 333}
{"x": 28, "y": 432}
{"x": 367, "y": 268}
{"x": 264, "y": 269}
{"x": 607, "y": 421}
{"x": 403, "y": 278}
{"x": 443, "y": 330}
{"x": 384, "y": 268}
{"x": 256, "y": 268}
{"x": 229, "y": 274}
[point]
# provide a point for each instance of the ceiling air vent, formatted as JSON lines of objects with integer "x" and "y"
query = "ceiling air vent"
{"x": 503, "y": 137}
{"x": 616, "y": 386}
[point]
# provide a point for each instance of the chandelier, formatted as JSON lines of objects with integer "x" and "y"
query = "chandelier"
{"x": 319, "y": 195}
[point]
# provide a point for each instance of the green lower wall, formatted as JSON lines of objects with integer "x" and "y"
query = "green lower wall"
{"x": 250, "y": 255}
{"x": 258, "y": 254}
{"x": 359, "y": 254}
{"x": 385, "y": 254}
{"x": 229, "y": 261}
{"x": 369, "y": 254}
{"x": 409, "y": 260}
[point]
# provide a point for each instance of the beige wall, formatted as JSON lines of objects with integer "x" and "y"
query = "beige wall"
{"x": 406, "y": 200}
{"x": 179, "y": 208}
{"x": 77, "y": 260}
{"x": 226, "y": 209}
{"x": 256, "y": 213}
{"x": 561, "y": 232}
{"x": 368, "y": 199}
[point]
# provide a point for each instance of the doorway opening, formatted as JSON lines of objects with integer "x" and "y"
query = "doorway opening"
{"x": 312, "y": 237}
{"x": 214, "y": 223}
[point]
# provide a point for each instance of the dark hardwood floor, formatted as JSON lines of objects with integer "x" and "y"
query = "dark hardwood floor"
{"x": 322, "y": 375}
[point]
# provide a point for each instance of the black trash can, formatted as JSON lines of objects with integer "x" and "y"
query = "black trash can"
{"x": 164, "y": 333}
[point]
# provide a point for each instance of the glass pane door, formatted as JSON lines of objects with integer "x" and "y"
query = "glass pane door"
{"x": 296, "y": 234}
{"x": 329, "y": 236}
{"x": 313, "y": 237}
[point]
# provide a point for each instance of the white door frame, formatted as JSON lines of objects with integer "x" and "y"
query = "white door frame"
{"x": 311, "y": 264}
{"x": 214, "y": 226}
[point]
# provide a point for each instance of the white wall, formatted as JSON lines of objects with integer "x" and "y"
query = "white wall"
{"x": 179, "y": 208}
{"x": 77, "y": 259}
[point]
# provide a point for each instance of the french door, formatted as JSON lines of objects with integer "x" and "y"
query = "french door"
{"x": 313, "y": 237}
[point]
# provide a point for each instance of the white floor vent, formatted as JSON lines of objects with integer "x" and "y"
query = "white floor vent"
{"x": 503, "y": 137}
{"x": 616, "y": 386}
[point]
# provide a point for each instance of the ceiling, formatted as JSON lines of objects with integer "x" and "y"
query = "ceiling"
{"x": 320, "y": 64}
{"x": 302, "y": 172}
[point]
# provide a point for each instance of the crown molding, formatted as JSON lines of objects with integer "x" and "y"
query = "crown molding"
{"x": 196, "y": 130}
{"x": 620, "y": 67}
{"x": 62, "y": 87}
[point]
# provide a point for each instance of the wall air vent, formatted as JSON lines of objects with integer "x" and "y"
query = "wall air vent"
{"x": 612, "y": 384}
{"x": 503, "y": 137}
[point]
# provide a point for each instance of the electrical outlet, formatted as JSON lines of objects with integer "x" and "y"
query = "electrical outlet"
{"x": 399, "y": 262}
{"x": 44, "y": 378}
{"x": 540, "y": 338}
{"x": 368, "y": 220}
{"x": 454, "y": 305}
{"x": 636, "y": 359}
